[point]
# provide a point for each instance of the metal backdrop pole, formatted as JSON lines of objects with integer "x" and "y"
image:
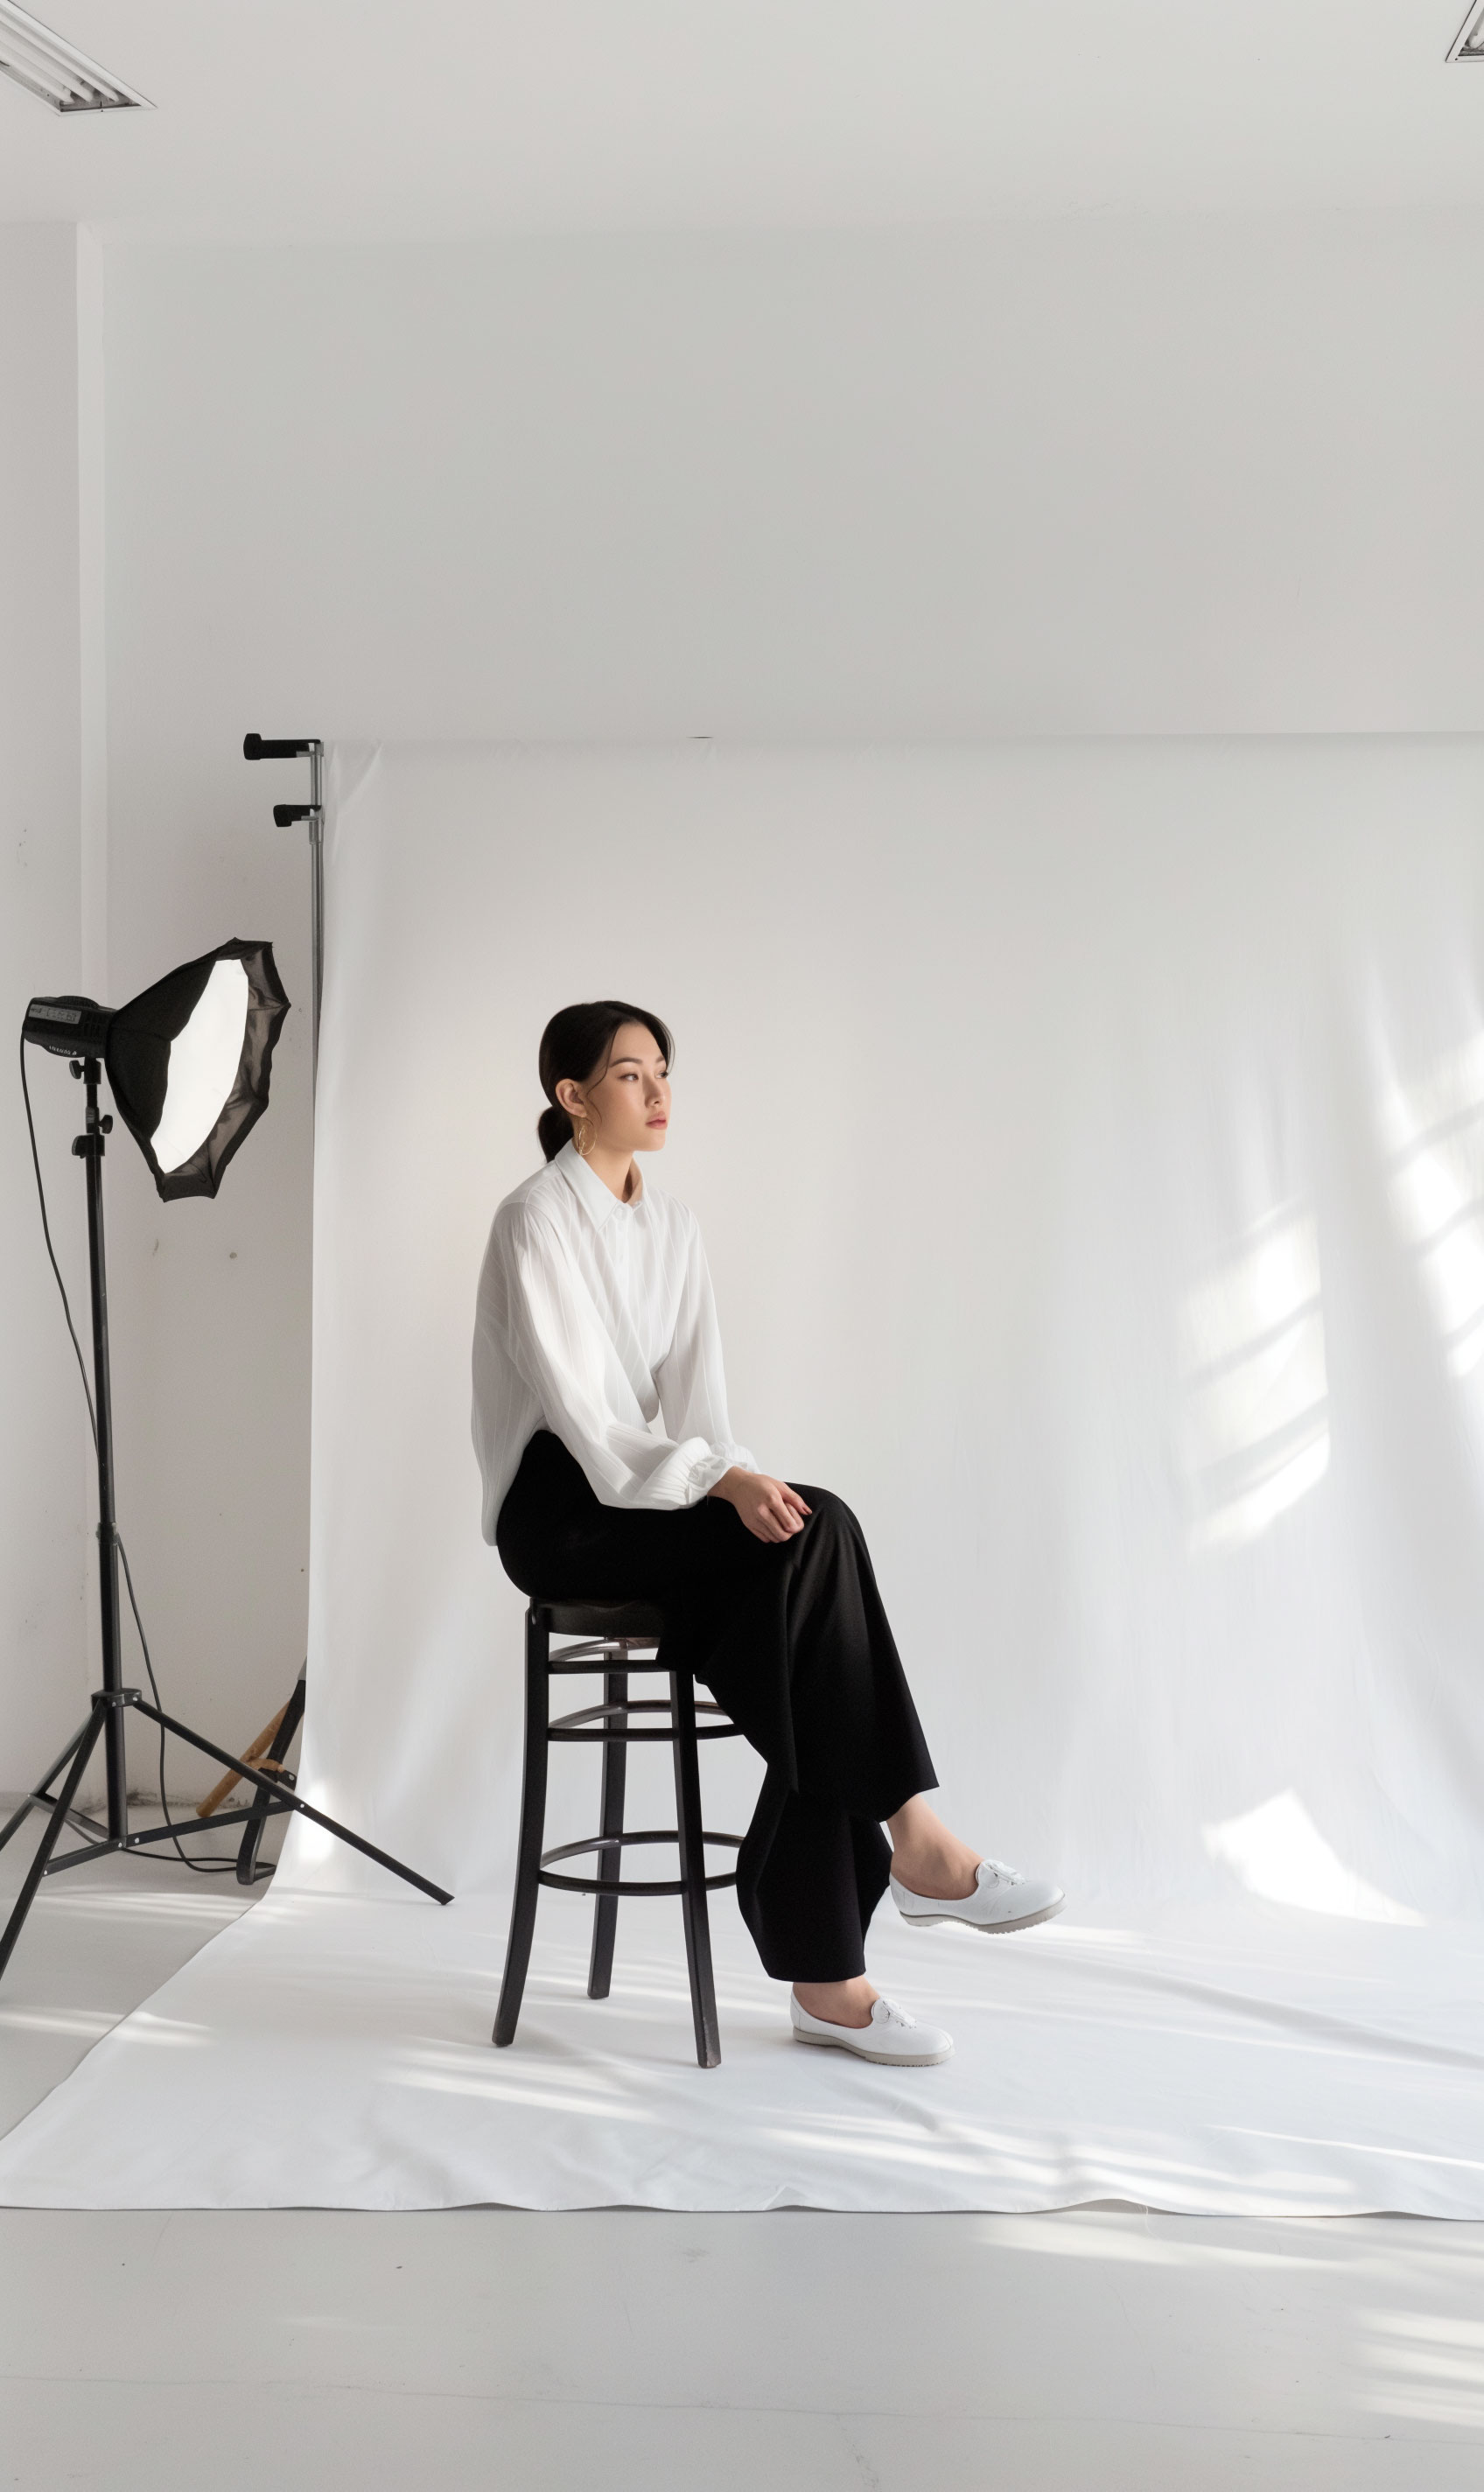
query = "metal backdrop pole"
{"x": 285, "y": 748}
{"x": 290, "y": 748}
{"x": 316, "y": 900}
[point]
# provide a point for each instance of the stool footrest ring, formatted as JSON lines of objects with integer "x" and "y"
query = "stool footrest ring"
{"x": 630, "y": 1886}
{"x": 636, "y": 1834}
{"x": 633, "y": 1885}
{"x": 572, "y": 1728}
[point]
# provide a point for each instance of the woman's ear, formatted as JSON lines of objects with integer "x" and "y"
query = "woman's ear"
{"x": 570, "y": 1097}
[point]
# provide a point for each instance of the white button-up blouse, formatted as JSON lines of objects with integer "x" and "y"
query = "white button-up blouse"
{"x": 595, "y": 1318}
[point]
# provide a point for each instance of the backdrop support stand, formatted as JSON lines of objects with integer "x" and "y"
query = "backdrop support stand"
{"x": 288, "y": 747}
{"x": 105, "y": 1719}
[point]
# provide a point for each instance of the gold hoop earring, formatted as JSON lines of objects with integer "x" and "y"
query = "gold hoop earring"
{"x": 579, "y": 1137}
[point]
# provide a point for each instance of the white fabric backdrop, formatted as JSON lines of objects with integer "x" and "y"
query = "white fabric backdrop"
{"x": 1089, "y": 1144}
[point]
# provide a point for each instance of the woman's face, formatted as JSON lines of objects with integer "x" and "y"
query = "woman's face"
{"x": 628, "y": 1108}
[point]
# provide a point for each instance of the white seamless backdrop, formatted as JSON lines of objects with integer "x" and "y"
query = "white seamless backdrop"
{"x": 1089, "y": 1144}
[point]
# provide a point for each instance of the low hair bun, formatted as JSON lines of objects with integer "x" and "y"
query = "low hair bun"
{"x": 553, "y": 1128}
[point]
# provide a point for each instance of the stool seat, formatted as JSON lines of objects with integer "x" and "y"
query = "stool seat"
{"x": 614, "y": 1638}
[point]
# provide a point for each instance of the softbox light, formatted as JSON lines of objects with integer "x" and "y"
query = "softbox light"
{"x": 187, "y": 1061}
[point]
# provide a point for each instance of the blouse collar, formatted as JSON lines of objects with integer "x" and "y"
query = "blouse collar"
{"x": 597, "y": 1199}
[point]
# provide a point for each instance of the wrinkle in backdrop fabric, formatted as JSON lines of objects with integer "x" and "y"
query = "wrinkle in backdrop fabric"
{"x": 1088, "y": 1143}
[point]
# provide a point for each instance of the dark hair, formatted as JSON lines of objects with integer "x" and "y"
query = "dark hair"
{"x": 576, "y": 1046}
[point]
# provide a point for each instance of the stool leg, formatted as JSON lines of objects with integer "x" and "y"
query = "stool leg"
{"x": 533, "y": 1818}
{"x": 615, "y": 1758}
{"x": 693, "y": 1869}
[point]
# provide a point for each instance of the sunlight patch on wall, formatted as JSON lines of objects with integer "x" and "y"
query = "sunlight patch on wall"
{"x": 1278, "y": 1852}
{"x": 1255, "y": 1422}
{"x": 1434, "y": 1134}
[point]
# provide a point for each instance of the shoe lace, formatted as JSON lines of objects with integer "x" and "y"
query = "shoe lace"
{"x": 896, "y": 2016}
{"x": 1002, "y": 1870}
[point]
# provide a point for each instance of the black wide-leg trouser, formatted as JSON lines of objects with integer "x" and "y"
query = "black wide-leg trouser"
{"x": 792, "y": 1639}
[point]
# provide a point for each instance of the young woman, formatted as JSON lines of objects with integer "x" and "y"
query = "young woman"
{"x": 610, "y": 1471}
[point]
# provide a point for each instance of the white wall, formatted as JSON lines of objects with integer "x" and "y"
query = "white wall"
{"x": 1158, "y": 477}
{"x": 51, "y": 835}
{"x": 1179, "y": 477}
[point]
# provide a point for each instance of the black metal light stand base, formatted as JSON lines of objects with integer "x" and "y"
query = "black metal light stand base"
{"x": 106, "y": 1721}
{"x": 273, "y": 1801}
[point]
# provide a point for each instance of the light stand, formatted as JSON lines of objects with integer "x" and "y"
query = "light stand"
{"x": 201, "y": 1169}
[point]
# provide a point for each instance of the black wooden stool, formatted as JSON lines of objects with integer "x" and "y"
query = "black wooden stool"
{"x": 617, "y": 1633}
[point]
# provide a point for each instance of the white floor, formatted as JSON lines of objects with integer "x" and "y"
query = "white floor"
{"x": 1105, "y": 2348}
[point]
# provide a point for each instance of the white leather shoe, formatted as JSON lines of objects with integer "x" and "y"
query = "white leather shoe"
{"x": 893, "y": 2038}
{"x": 1003, "y": 1899}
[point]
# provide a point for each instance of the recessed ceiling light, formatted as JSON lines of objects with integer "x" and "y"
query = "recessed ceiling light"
{"x": 1467, "y": 43}
{"x": 61, "y": 76}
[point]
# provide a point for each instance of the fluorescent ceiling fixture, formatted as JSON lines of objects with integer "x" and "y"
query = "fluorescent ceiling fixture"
{"x": 61, "y": 76}
{"x": 1467, "y": 43}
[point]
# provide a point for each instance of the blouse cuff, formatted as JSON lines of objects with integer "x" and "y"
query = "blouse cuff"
{"x": 709, "y": 1466}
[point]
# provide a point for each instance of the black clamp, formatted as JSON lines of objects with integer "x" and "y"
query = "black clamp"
{"x": 277, "y": 747}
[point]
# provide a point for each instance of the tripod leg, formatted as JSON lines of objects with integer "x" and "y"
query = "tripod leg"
{"x": 23, "y": 1811}
{"x": 286, "y": 1798}
{"x": 252, "y": 1832}
{"x": 86, "y": 1741}
{"x": 43, "y": 1796}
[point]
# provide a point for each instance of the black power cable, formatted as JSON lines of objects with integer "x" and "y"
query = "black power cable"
{"x": 207, "y": 1865}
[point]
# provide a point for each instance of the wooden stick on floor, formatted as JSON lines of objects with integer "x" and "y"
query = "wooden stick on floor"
{"x": 249, "y": 1756}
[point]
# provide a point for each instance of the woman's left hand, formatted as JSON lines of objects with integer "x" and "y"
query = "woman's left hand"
{"x": 769, "y": 1507}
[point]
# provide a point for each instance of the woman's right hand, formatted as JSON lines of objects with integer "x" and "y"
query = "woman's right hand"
{"x": 770, "y": 1508}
